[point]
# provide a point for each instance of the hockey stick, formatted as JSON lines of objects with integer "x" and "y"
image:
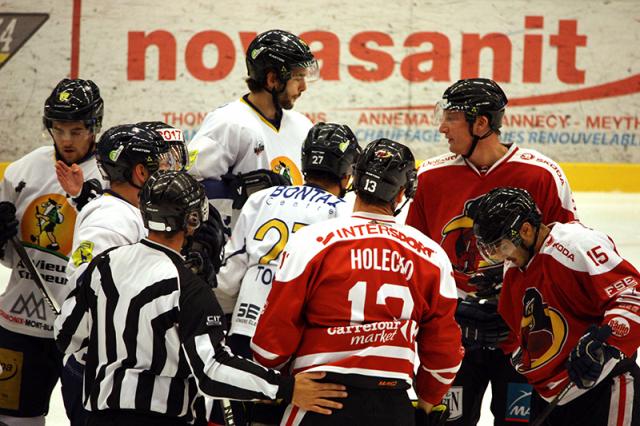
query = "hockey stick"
{"x": 35, "y": 275}
{"x": 549, "y": 408}
{"x": 227, "y": 412}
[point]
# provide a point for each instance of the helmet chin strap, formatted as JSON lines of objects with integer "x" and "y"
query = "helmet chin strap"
{"x": 530, "y": 249}
{"x": 475, "y": 140}
{"x": 397, "y": 211}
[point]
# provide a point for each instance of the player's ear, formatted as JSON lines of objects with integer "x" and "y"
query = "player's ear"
{"x": 481, "y": 125}
{"x": 140, "y": 174}
{"x": 272, "y": 80}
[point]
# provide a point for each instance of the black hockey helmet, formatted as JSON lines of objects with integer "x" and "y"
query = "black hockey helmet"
{"x": 174, "y": 137}
{"x": 475, "y": 97}
{"x": 279, "y": 51}
{"x": 122, "y": 147}
{"x": 383, "y": 169}
{"x": 75, "y": 100}
{"x": 330, "y": 148}
{"x": 173, "y": 201}
{"x": 498, "y": 215}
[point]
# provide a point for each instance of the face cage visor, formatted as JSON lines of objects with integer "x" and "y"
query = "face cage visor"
{"x": 497, "y": 251}
{"x": 172, "y": 160}
{"x": 309, "y": 71}
{"x": 444, "y": 111}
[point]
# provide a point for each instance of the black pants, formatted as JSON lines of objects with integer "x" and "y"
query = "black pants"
{"x": 617, "y": 396}
{"x": 368, "y": 407}
{"x": 71, "y": 381}
{"x": 510, "y": 392}
{"x": 131, "y": 418}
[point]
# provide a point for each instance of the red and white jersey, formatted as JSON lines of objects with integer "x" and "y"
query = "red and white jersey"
{"x": 576, "y": 279}
{"x": 448, "y": 183}
{"x": 266, "y": 222}
{"x": 356, "y": 296}
{"x": 47, "y": 221}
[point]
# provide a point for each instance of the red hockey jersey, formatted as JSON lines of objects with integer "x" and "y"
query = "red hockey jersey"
{"x": 354, "y": 296}
{"x": 577, "y": 279}
{"x": 448, "y": 183}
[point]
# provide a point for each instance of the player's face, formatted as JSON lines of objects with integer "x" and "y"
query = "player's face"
{"x": 456, "y": 129}
{"x": 72, "y": 140}
{"x": 294, "y": 88}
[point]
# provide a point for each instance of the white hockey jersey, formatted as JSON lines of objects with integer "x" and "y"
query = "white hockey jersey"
{"x": 264, "y": 226}
{"x": 46, "y": 230}
{"x": 237, "y": 138}
{"x": 106, "y": 222}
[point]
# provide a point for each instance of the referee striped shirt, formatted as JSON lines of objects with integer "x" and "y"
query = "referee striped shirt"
{"x": 155, "y": 336}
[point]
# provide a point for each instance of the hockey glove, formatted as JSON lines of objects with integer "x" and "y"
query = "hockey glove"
{"x": 481, "y": 324}
{"x": 90, "y": 189}
{"x": 437, "y": 417}
{"x": 244, "y": 184}
{"x": 8, "y": 224}
{"x": 488, "y": 282}
{"x": 204, "y": 250}
{"x": 590, "y": 355}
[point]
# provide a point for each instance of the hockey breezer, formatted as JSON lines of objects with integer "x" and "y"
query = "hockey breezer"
{"x": 35, "y": 275}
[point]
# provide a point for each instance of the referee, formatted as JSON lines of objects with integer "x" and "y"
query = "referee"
{"x": 151, "y": 326}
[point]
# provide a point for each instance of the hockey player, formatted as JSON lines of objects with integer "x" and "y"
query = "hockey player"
{"x": 257, "y": 137}
{"x": 151, "y": 326}
{"x": 33, "y": 207}
{"x": 271, "y": 216}
{"x": 354, "y": 296}
{"x": 470, "y": 118}
{"x": 572, "y": 304}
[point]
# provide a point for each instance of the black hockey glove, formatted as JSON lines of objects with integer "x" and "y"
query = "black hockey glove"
{"x": 204, "y": 250}
{"x": 590, "y": 355}
{"x": 244, "y": 184}
{"x": 481, "y": 324}
{"x": 488, "y": 282}
{"x": 90, "y": 189}
{"x": 437, "y": 417}
{"x": 8, "y": 224}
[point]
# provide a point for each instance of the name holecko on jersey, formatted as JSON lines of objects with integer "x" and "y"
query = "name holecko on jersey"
{"x": 381, "y": 260}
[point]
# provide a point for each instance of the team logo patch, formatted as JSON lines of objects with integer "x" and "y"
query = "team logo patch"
{"x": 518, "y": 402}
{"x": 193, "y": 154}
{"x": 286, "y": 167}
{"x": 619, "y": 326}
{"x": 64, "y": 96}
{"x": 48, "y": 223}
{"x": 83, "y": 254}
{"x": 543, "y": 332}
{"x": 453, "y": 400}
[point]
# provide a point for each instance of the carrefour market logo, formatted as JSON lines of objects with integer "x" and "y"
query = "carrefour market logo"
{"x": 15, "y": 30}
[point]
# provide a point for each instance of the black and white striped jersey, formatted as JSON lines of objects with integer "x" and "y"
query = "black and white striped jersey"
{"x": 151, "y": 327}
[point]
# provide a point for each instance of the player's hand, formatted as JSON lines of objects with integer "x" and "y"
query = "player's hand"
{"x": 70, "y": 178}
{"x": 310, "y": 395}
{"x": 204, "y": 250}
{"x": 480, "y": 323}
{"x": 244, "y": 184}
{"x": 590, "y": 355}
{"x": 435, "y": 415}
{"x": 8, "y": 222}
{"x": 488, "y": 282}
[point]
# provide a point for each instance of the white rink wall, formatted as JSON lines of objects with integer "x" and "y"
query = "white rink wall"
{"x": 572, "y": 81}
